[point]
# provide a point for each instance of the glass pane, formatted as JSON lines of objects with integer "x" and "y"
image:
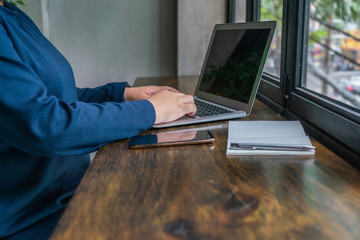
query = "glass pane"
{"x": 272, "y": 10}
{"x": 240, "y": 10}
{"x": 333, "y": 67}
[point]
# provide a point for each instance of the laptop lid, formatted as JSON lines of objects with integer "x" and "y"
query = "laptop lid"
{"x": 234, "y": 62}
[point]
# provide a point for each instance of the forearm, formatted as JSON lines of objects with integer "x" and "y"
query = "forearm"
{"x": 112, "y": 92}
{"x": 54, "y": 127}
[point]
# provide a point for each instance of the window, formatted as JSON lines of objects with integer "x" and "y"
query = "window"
{"x": 313, "y": 71}
{"x": 334, "y": 50}
{"x": 272, "y": 10}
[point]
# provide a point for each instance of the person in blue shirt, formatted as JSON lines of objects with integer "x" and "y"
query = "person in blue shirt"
{"x": 48, "y": 126}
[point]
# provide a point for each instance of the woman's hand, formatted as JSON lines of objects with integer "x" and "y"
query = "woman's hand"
{"x": 139, "y": 93}
{"x": 170, "y": 105}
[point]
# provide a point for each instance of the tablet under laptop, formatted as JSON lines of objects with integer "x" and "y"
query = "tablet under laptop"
{"x": 231, "y": 73}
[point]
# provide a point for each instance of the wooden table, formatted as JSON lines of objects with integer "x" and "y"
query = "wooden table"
{"x": 197, "y": 192}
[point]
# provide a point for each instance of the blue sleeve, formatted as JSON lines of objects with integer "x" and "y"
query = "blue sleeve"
{"x": 111, "y": 92}
{"x": 42, "y": 124}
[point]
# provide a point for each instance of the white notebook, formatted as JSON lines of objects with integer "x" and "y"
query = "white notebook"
{"x": 268, "y": 138}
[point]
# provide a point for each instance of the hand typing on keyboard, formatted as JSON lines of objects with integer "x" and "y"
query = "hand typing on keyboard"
{"x": 205, "y": 109}
{"x": 170, "y": 106}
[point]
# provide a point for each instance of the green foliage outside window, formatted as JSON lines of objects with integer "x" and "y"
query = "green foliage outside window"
{"x": 339, "y": 9}
{"x": 326, "y": 11}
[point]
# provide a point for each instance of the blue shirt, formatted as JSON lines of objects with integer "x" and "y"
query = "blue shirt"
{"x": 48, "y": 126}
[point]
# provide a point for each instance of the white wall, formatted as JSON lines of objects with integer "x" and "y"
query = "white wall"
{"x": 115, "y": 40}
{"x": 112, "y": 40}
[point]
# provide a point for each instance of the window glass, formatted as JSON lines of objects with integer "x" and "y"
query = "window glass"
{"x": 240, "y": 11}
{"x": 333, "y": 60}
{"x": 273, "y": 10}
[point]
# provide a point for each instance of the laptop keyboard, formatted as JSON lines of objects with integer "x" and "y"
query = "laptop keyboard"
{"x": 205, "y": 109}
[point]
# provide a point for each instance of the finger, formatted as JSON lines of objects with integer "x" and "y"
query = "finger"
{"x": 189, "y": 109}
{"x": 178, "y": 94}
{"x": 192, "y": 113}
{"x": 152, "y": 91}
{"x": 187, "y": 99}
{"x": 171, "y": 89}
{"x": 157, "y": 89}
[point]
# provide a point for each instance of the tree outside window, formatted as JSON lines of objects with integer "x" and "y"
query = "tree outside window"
{"x": 334, "y": 50}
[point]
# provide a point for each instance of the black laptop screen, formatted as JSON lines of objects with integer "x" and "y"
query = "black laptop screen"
{"x": 233, "y": 63}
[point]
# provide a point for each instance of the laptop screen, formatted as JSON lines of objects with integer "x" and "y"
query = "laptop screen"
{"x": 234, "y": 63}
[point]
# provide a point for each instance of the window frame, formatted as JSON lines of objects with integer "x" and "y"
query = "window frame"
{"x": 320, "y": 115}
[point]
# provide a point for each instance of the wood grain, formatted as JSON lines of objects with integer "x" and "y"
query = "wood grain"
{"x": 197, "y": 192}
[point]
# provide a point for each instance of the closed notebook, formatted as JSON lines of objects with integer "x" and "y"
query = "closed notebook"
{"x": 268, "y": 138}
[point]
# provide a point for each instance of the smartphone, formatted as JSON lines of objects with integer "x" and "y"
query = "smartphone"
{"x": 171, "y": 138}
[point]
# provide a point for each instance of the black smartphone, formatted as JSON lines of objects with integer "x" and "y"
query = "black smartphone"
{"x": 171, "y": 138}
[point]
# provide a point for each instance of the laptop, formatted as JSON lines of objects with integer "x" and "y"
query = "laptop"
{"x": 231, "y": 73}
